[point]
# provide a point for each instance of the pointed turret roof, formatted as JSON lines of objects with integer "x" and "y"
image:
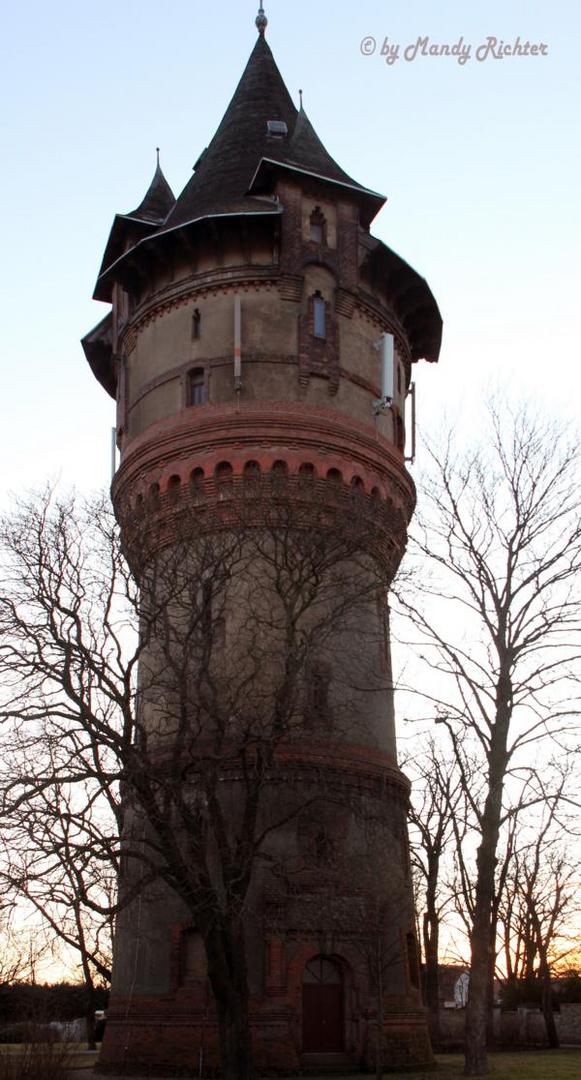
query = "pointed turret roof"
{"x": 157, "y": 201}
{"x": 226, "y": 168}
{"x": 306, "y": 151}
{"x": 149, "y": 215}
{"x": 226, "y": 174}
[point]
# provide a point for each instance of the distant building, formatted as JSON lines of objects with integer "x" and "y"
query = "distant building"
{"x": 454, "y": 980}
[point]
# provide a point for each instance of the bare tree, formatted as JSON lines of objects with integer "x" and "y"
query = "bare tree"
{"x": 437, "y": 810}
{"x": 497, "y": 612}
{"x": 60, "y": 859}
{"x": 23, "y": 946}
{"x": 75, "y": 623}
{"x": 540, "y": 906}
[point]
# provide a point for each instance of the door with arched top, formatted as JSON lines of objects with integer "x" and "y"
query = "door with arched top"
{"x": 322, "y": 1006}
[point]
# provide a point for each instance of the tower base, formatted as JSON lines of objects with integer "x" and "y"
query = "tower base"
{"x": 163, "y": 1037}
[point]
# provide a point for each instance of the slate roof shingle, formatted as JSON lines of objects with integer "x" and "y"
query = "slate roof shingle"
{"x": 226, "y": 169}
{"x": 157, "y": 201}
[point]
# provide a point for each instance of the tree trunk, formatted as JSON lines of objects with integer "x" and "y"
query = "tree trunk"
{"x": 490, "y": 1032}
{"x": 234, "y": 1035}
{"x": 430, "y": 935}
{"x": 226, "y": 955}
{"x": 92, "y": 1045}
{"x": 89, "y": 991}
{"x": 547, "y": 1006}
{"x": 476, "y": 1059}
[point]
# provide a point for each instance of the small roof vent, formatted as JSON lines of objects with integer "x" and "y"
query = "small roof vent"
{"x": 277, "y": 129}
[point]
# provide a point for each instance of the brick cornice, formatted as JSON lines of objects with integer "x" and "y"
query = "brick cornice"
{"x": 213, "y": 433}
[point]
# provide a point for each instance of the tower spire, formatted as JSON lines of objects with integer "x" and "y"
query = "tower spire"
{"x": 261, "y": 21}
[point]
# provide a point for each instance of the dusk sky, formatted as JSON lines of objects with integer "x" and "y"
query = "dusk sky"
{"x": 479, "y": 160}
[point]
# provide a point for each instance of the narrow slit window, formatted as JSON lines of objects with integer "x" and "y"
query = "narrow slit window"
{"x": 319, "y": 317}
{"x": 196, "y": 324}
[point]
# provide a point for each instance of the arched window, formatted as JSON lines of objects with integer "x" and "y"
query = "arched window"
{"x": 196, "y": 388}
{"x": 173, "y": 488}
{"x": 223, "y": 476}
{"x": 251, "y": 472}
{"x": 319, "y": 841}
{"x": 317, "y": 226}
{"x": 197, "y": 482}
{"x": 279, "y": 476}
{"x": 306, "y": 474}
{"x": 321, "y": 969}
{"x": 319, "y": 317}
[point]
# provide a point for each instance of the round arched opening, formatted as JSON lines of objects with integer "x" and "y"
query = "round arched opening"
{"x": 173, "y": 487}
{"x": 307, "y": 474}
{"x": 323, "y": 1024}
{"x": 251, "y": 475}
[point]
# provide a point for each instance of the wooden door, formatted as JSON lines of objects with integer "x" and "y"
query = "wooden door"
{"x": 322, "y": 1007}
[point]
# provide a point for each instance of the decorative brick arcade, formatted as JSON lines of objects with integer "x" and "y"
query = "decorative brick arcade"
{"x": 244, "y": 350}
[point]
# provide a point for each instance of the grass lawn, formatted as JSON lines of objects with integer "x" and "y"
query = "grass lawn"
{"x": 532, "y": 1065}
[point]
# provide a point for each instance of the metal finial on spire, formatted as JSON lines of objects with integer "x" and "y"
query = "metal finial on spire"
{"x": 301, "y": 98}
{"x": 261, "y": 21}
{"x": 157, "y": 152}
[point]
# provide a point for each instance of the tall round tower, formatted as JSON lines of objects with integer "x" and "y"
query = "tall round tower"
{"x": 261, "y": 341}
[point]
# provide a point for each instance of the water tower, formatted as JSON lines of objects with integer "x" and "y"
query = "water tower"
{"x": 258, "y": 330}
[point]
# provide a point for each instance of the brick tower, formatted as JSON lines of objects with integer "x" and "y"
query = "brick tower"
{"x": 261, "y": 337}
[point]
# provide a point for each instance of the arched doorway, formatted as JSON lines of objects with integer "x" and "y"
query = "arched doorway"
{"x": 322, "y": 1006}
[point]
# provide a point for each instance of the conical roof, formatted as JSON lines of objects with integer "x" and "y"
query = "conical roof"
{"x": 225, "y": 171}
{"x": 306, "y": 151}
{"x": 149, "y": 215}
{"x": 157, "y": 201}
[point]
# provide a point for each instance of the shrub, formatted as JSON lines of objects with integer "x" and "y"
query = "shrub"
{"x": 36, "y": 1061}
